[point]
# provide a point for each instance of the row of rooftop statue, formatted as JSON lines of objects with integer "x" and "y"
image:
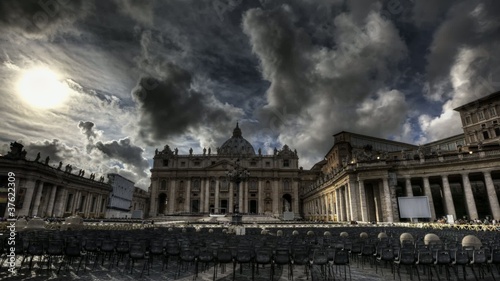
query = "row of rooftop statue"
{"x": 17, "y": 152}
{"x": 167, "y": 150}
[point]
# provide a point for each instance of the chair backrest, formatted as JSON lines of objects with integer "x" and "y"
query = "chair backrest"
{"x": 387, "y": 254}
{"x": 425, "y": 256}
{"x": 320, "y": 257}
{"x": 495, "y": 256}
{"x": 341, "y": 257}
{"x": 137, "y": 250}
{"x": 443, "y": 257}
{"x": 461, "y": 257}
{"x": 406, "y": 256}
{"x": 224, "y": 255}
{"x": 263, "y": 256}
{"x": 479, "y": 256}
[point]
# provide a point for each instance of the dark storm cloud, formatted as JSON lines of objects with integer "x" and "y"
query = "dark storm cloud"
{"x": 55, "y": 150}
{"x": 87, "y": 129}
{"x": 123, "y": 150}
{"x": 170, "y": 106}
{"x": 283, "y": 50}
{"x": 470, "y": 26}
{"x": 42, "y": 16}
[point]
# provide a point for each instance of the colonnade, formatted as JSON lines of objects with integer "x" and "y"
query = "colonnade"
{"x": 357, "y": 197}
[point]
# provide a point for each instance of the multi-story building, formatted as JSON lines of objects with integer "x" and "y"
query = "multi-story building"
{"x": 363, "y": 177}
{"x": 480, "y": 120}
{"x": 199, "y": 183}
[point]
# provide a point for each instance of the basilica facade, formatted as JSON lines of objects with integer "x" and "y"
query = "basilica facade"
{"x": 205, "y": 183}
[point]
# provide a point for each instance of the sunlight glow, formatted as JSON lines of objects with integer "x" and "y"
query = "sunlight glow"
{"x": 41, "y": 88}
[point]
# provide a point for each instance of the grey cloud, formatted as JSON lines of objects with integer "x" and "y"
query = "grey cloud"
{"x": 55, "y": 149}
{"x": 170, "y": 106}
{"x": 34, "y": 17}
{"x": 123, "y": 150}
{"x": 140, "y": 10}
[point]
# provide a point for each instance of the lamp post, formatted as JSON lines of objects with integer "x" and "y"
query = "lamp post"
{"x": 237, "y": 175}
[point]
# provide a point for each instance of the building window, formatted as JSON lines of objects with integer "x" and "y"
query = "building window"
{"x": 493, "y": 112}
{"x": 253, "y": 185}
{"x": 468, "y": 120}
{"x": 183, "y": 164}
{"x": 497, "y": 132}
{"x": 483, "y": 126}
{"x": 213, "y": 162}
{"x": 495, "y": 122}
{"x": 472, "y": 138}
{"x": 286, "y": 186}
{"x": 286, "y": 163}
{"x": 486, "y": 135}
{"x": 253, "y": 163}
{"x": 196, "y": 163}
{"x": 480, "y": 115}
{"x": 268, "y": 164}
{"x": 196, "y": 185}
{"x": 165, "y": 162}
{"x": 163, "y": 185}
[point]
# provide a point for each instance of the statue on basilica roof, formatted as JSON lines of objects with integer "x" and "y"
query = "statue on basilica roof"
{"x": 16, "y": 151}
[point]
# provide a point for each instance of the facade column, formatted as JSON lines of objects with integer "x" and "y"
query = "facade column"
{"x": 353, "y": 199}
{"x": 206, "y": 203}
{"x": 217, "y": 191}
{"x": 187, "y": 207}
{"x": 260, "y": 204}
{"x": 276, "y": 198}
{"x": 469, "y": 197}
{"x": 231, "y": 197}
{"x": 450, "y": 207}
{"x": 98, "y": 205}
{"x": 492, "y": 195}
{"x": 387, "y": 200}
{"x": 243, "y": 204}
{"x": 38, "y": 197}
{"x": 202, "y": 196}
{"x": 245, "y": 196}
{"x": 295, "y": 199}
{"x": 409, "y": 188}
{"x": 171, "y": 205}
{"x": 154, "y": 198}
{"x": 76, "y": 202}
{"x": 428, "y": 193}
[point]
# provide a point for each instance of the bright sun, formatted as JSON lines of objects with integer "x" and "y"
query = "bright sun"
{"x": 41, "y": 88}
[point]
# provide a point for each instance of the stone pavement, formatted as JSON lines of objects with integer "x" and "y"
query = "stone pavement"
{"x": 118, "y": 273}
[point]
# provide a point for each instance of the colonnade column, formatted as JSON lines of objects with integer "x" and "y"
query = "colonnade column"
{"x": 362, "y": 200}
{"x": 295, "y": 199}
{"x": 353, "y": 199}
{"x": 28, "y": 196}
{"x": 241, "y": 194}
{"x": 231, "y": 197}
{"x": 450, "y": 207}
{"x": 342, "y": 205}
{"x": 492, "y": 195}
{"x": 38, "y": 196}
{"x": 428, "y": 193}
{"x": 469, "y": 197}
{"x": 337, "y": 204}
{"x": 409, "y": 188}
{"x": 387, "y": 200}
{"x": 347, "y": 195}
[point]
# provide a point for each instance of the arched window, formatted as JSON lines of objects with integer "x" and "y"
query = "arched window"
{"x": 286, "y": 185}
{"x": 163, "y": 185}
{"x": 196, "y": 185}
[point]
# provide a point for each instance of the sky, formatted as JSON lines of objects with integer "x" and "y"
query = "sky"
{"x": 101, "y": 84}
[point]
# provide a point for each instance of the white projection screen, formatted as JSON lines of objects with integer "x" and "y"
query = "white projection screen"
{"x": 414, "y": 207}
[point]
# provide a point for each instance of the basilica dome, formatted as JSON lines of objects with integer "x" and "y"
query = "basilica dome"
{"x": 236, "y": 145}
